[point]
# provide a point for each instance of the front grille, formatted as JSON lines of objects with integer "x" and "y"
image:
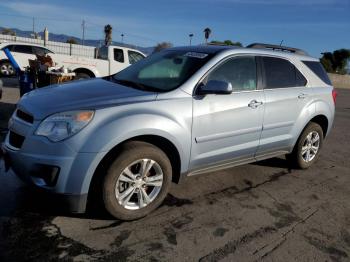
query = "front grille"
{"x": 16, "y": 140}
{"x": 24, "y": 116}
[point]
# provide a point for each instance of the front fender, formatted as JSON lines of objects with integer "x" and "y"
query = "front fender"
{"x": 110, "y": 128}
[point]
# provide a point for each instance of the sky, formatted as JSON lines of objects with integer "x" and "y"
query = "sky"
{"x": 313, "y": 25}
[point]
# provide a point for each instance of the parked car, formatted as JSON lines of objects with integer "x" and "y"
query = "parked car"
{"x": 181, "y": 112}
{"x": 110, "y": 60}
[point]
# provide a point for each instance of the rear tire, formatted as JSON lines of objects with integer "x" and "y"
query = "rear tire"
{"x": 307, "y": 149}
{"x": 129, "y": 192}
{"x": 81, "y": 76}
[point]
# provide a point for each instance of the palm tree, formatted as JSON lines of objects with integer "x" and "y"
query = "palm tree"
{"x": 190, "y": 35}
{"x": 108, "y": 34}
{"x": 207, "y": 33}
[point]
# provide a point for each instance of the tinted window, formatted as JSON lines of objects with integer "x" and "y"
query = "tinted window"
{"x": 318, "y": 69}
{"x": 102, "y": 53}
{"x": 134, "y": 57}
{"x": 162, "y": 71}
{"x": 40, "y": 50}
{"x": 25, "y": 49}
{"x": 118, "y": 55}
{"x": 280, "y": 73}
{"x": 9, "y": 47}
{"x": 240, "y": 72}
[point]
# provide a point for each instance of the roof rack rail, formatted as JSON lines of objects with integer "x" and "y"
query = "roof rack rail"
{"x": 277, "y": 48}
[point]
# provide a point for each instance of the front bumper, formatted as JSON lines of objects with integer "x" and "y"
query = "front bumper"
{"x": 54, "y": 167}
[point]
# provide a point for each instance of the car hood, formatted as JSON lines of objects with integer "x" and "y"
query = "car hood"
{"x": 84, "y": 94}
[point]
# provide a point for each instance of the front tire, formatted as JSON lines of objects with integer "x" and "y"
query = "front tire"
{"x": 137, "y": 181}
{"x": 6, "y": 69}
{"x": 307, "y": 149}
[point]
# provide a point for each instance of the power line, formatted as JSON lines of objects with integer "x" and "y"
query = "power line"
{"x": 84, "y": 25}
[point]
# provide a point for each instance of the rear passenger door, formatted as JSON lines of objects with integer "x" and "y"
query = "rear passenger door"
{"x": 286, "y": 95}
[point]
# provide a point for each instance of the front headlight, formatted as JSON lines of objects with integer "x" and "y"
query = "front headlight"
{"x": 63, "y": 125}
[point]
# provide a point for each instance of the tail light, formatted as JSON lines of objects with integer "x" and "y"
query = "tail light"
{"x": 334, "y": 95}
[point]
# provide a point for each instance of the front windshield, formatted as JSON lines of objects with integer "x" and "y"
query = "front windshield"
{"x": 163, "y": 71}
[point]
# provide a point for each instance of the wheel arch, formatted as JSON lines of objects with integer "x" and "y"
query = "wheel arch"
{"x": 168, "y": 147}
{"x": 85, "y": 71}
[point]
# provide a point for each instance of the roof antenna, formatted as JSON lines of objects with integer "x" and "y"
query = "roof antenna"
{"x": 281, "y": 42}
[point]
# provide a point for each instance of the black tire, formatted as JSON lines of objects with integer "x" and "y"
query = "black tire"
{"x": 296, "y": 158}
{"x": 131, "y": 152}
{"x": 7, "y": 66}
{"x": 81, "y": 76}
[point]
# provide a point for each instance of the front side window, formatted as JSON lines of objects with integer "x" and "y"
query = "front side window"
{"x": 280, "y": 73}
{"x": 239, "y": 71}
{"x": 41, "y": 51}
{"x": 118, "y": 55}
{"x": 25, "y": 49}
{"x": 134, "y": 57}
{"x": 163, "y": 71}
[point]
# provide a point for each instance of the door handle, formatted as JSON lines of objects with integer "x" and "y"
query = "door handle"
{"x": 254, "y": 104}
{"x": 302, "y": 96}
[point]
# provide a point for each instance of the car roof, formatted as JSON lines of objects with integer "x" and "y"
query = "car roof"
{"x": 22, "y": 43}
{"x": 215, "y": 49}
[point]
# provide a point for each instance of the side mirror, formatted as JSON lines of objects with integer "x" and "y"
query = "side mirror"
{"x": 216, "y": 87}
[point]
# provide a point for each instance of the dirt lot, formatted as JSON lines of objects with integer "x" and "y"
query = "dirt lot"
{"x": 261, "y": 211}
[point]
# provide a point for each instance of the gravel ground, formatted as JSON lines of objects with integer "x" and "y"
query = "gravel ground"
{"x": 262, "y": 211}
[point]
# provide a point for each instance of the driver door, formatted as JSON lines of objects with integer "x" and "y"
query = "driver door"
{"x": 228, "y": 127}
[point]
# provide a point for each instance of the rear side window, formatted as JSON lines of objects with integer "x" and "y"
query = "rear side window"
{"x": 318, "y": 69}
{"x": 25, "y": 49}
{"x": 280, "y": 73}
{"x": 118, "y": 55}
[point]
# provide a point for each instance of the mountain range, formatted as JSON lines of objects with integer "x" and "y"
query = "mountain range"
{"x": 64, "y": 38}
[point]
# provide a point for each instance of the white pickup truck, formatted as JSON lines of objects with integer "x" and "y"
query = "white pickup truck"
{"x": 110, "y": 59}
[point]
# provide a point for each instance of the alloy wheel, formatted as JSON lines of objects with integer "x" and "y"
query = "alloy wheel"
{"x": 310, "y": 146}
{"x": 139, "y": 184}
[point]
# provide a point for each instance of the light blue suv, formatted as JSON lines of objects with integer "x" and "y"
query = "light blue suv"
{"x": 180, "y": 112}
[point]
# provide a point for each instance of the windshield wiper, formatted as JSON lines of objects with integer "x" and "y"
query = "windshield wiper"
{"x": 136, "y": 85}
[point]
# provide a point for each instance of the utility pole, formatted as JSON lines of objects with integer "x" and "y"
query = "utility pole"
{"x": 83, "y": 27}
{"x": 33, "y": 26}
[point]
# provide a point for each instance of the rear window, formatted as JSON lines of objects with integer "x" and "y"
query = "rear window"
{"x": 118, "y": 55}
{"x": 280, "y": 73}
{"x": 318, "y": 69}
{"x": 25, "y": 49}
{"x": 102, "y": 53}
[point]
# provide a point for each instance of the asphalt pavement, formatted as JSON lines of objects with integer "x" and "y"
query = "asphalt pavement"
{"x": 261, "y": 211}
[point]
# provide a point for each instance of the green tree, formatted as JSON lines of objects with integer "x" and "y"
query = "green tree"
{"x": 8, "y": 31}
{"x": 108, "y": 34}
{"x": 161, "y": 46}
{"x": 226, "y": 42}
{"x": 72, "y": 41}
{"x": 336, "y": 62}
{"x": 207, "y": 33}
